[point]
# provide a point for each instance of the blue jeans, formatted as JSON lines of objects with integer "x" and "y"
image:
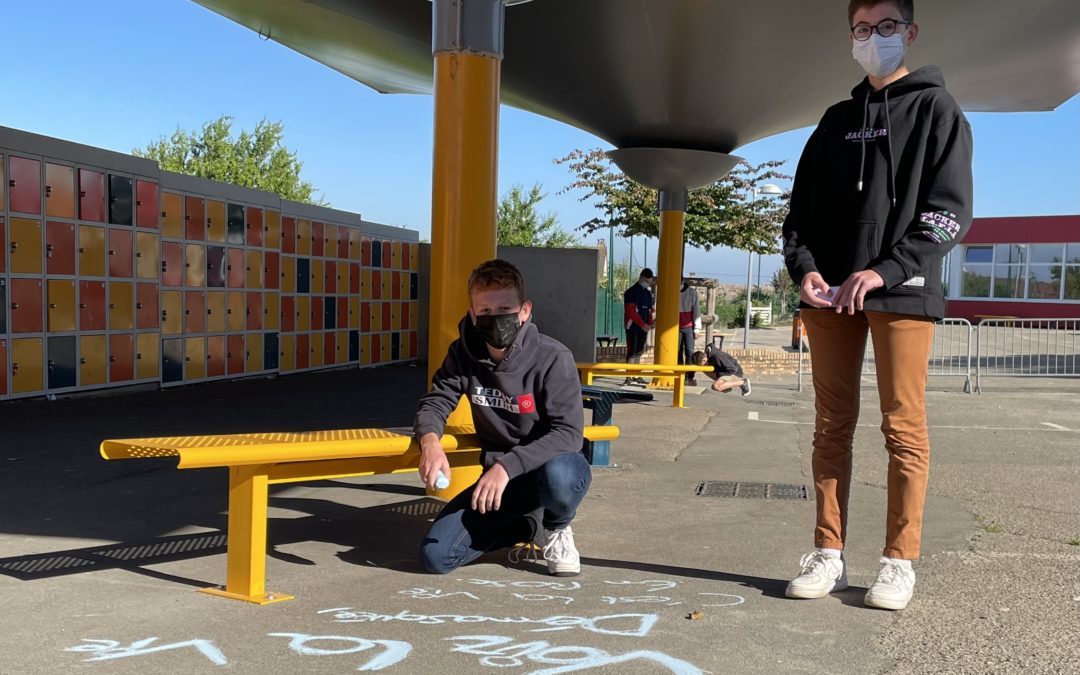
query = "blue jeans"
{"x": 547, "y": 497}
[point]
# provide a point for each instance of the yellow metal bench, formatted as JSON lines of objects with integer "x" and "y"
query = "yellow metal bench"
{"x": 256, "y": 461}
{"x": 590, "y": 370}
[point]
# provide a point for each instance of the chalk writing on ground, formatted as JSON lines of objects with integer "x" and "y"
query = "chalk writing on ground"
{"x": 395, "y": 651}
{"x": 631, "y": 625}
{"x": 503, "y": 652}
{"x": 433, "y": 594}
{"x": 105, "y": 650}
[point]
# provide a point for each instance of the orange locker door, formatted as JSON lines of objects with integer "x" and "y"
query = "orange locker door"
{"x": 330, "y": 240}
{"x": 343, "y": 242}
{"x": 303, "y": 313}
{"x": 354, "y": 312}
{"x": 91, "y": 305}
{"x": 215, "y": 356}
{"x": 365, "y": 350}
{"x": 91, "y": 195}
{"x": 121, "y": 305}
{"x": 254, "y": 311}
{"x": 288, "y": 274}
{"x": 271, "y": 311}
{"x": 303, "y": 351}
{"x": 329, "y": 349}
{"x": 234, "y": 311}
{"x": 194, "y": 219}
{"x": 365, "y": 251}
{"x": 59, "y": 191}
{"x": 254, "y": 353}
{"x": 406, "y": 256}
{"x": 317, "y": 239}
{"x": 318, "y": 350}
{"x": 318, "y": 275}
{"x": 215, "y": 221}
{"x": 121, "y": 357}
{"x": 194, "y": 358}
{"x": 365, "y": 317}
{"x": 235, "y": 268}
{"x": 26, "y": 315}
{"x": 254, "y": 226}
{"x": 146, "y": 204}
{"x": 147, "y": 348}
{"x": 288, "y": 235}
{"x": 254, "y": 269}
{"x": 3, "y": 227}
{"x": 146, "y": 306}
{"x": 172, "y": 312}
{"x": 330, "y": 276}
{"x": 194, "y": 312}
{"x": 120, "y": 253}
{"x": 376, "y": 285}
{"x": 272, "y": 230}
{"x": 272, "y": 270}
{"x": 195, "y": 265}
{"x": 60, "y": 248}
{"x": 354, "y": 244}
{"x": 91, "y": 251}
{"x": 24, "y": 184}
{"x": 317, "y": 313}
{"x": 92, "y": 350}
{"x": 147, "y": 258}
{"x": 288, "y": 313}
{"x": 25, "y": 246}
{"x": 172, "y": 263}
{"x": 395, "y": 255}
{"x": 215, "y": 312}
{"x": 287, "y": 353}
{"x": 303, "y": 237}
{"x": 234, "y": 354}
{"x": 27, "y": 365}
{"x": 61, "y": 305}
{"x": 172, "y": 215}
{"x": 341, "y": 348}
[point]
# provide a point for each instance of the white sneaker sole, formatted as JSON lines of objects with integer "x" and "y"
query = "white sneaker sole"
{"x": 812, "y": 593}
{"x": 564, "y": 572}
{"x": 886, "y": 603}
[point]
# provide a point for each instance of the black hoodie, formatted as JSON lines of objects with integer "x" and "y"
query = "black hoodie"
{"x": 884, "y": 184}
{"x": 527, "y": 409}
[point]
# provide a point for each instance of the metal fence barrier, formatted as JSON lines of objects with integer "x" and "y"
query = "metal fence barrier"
{"x": 1027, "y": 348}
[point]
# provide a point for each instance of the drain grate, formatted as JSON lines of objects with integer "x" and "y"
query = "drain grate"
{"x": 723, "y": 488}
{"x": 774, "y": 404}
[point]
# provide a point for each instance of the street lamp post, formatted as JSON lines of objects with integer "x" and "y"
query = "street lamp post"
{"x": 767, "y": 189}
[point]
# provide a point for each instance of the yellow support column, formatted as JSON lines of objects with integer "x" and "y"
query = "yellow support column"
{"x": 467, "y": 47}
{"x": 669, "y": 280}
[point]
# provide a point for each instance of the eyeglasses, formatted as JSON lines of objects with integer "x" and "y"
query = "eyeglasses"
{"x": 884, "y": 28}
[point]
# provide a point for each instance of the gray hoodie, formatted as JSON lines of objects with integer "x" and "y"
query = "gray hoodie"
{"x": 527, "y": 409}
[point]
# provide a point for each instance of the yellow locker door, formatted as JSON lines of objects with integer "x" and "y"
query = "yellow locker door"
{"x": 27, "y": 369}
{"x": 271, "y": 311}
{"x": 92, "y": 360}
{"x": 303, "y": 314}
{"x": 172, "y": 312}
{"x": 25, "y": 245}
{"x": 287, "y": 355}
{"x": 61, "y": 300}
{"x": 365, "y": 350}
{"x": 195, "y": 265}
{"x": 254, "y": 356}
{"x": 354, "y": 312}
{"x": 288, "y": 274}
{"x": 254, "y": 269}
{"x": 317, "y": 352}
{"x": 414, "y": 316}
{"x": 121, "y": 305}
{"x": 215, "y": 312}
{"x": 272, "y": 230}
{"x": 376, "y": 317}
{"x": 341, "y": 342}
{"x": 318, "y": 271}
{"x": 215, "y": 221}
{"x": 303, "y": 237}
{"x": 195, "y": 358}
{"x": 147, "y": 346}
{"x": 147, "y": 256}
{"x": 365, "y": 285}
{"x": 386, "y": 345}
{"x": 235, "y": 311}
{"x": 395, "y": 316}
{"x": 172, "y": 215}
{"x": 395, "y": 255}
{"x": 91, "y": 251}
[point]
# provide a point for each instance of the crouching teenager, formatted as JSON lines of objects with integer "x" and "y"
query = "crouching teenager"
{"x": 525, "y": 397}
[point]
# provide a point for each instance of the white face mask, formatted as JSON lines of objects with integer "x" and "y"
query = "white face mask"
{"x": 880, "y": 56}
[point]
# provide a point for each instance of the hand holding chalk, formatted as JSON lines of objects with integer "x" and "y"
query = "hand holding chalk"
{"x": 441, "y": 481}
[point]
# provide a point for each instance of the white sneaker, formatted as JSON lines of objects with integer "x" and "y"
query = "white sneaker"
{"x": 561, "y": 554}
{"x": 745, "y": 386}
{"x": 893, "y": 587}
{"x": 821, "y": 574}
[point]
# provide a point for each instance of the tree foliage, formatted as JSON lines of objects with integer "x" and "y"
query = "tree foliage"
{"x": 255, "y": 159}
{"x": 720, "y": 214}
{"x": 519, "y": 223}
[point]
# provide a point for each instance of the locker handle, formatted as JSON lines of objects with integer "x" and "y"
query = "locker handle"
{"x": 112, "y": 305}
{"x": 138, "y": 202}
{"x": 11, "y": 183}
{"x": 82, "y": 361}
{"x": 187, "y": 358}
{"x": 14, "y": 305}
{"x": 48, "y": 191}
{"x": 14, "y": 365}
{"x": 112, "y": 252}
{"x": 52, "y": 305}
{"x": 138, "y": 356}
{"x": 112, "y": 359}
{"x": 138, "y": 305}
{"x": 164, "y": 214}
{"x": 138, "y": 254}
{"x": 14, "y": 245}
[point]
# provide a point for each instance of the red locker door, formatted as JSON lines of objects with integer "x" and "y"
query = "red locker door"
{"x": 121, "y": 357}
{"x": 395, "y": 286}
{"x": 194, "y": 218}
{"x": 288, "y": 314}
{"x": 386, "y": 320}
{"x": 254, "y": 311}
{"x": 121, "y": 257}
{"x": 288, "y": 235}
{"x": 413, "y": 344}
{"x": 215, "y": 356}
{"x": 376, "y": 348}
{"x": 59, "y": 248}
{"x": 24, "y": 184}
{"x": 330, "y": 277}
{"x": 194, "y": 312}
{"x": 92, "y": 305}
{"x": 236, "y": 268}
{"x": 235, "y": 354}
{"x": 317, "y": 244}
{"x": 254, "y": 226}
{"x": 303, "y": 349}
{"x": 146, "y": 204}
{"x": 329, "y": 352}
{"x": 365, "y": 252}
{"x": 354, "y": 278}
{"x": 342, "y": 313}
{"x": 404, "y": 310}
{"x": 172, "y": 263}
{"x": 317, "y": 313}
{"x": 343, "y": 242}
{"x": 91, "y": 195}
{"x": 376, "y": 285}
{"x": 26, "y": 306}
{"x": 272, "y": 269}
{"x": 387, "y": 254}
{"x": 365, "y": 317}
{"x": 146, "y": 306}
{"x": 3, "y": 365}
{"x": 3, "y": 227}
{"x": 406, "y": 249}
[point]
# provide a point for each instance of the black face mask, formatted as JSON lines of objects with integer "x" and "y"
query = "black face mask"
{"x": 499, "y": 330}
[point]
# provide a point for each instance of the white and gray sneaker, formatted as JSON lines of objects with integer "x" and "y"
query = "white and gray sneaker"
{"x": 745, "y": 386}
{"x": 820, "y": 575}
{"x": 894, "y": 585}
{"x": 561, "y": 554}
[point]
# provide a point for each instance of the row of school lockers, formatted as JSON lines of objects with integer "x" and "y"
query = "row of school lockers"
{"x": 109, "y": 279}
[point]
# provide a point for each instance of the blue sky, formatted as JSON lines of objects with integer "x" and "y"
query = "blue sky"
{"x": 119, "y": 74}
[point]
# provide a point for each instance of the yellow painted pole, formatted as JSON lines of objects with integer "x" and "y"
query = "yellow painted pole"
{"x": 464, "y": 180}
{"x": 669, "y": 273}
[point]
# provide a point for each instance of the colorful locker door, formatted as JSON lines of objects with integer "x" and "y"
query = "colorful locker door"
{"x": 341, "y": 353}
{"x": 254, "y": 315}
{"x": 254, "y": 226}
{"x": 24, "y": 185}
{"x": 329, "y": 348}
{"x": 172, "y": 360}
{"x": 235, "y": 224}
{"x": 146, "y": 204}
{"x": 121, "y": 200}
{"x": 216, "y": 350}
{"x": 342, "y": 313}
{"x": 27, "y": 355}
{"x": 146, "y": 307}
{"x": 234, "y": 354}
{"x": 172, "y": 264}
{"x": 194, "y": 312}
{"x": 272, "y": 230}
{"x": 288, "y": 274}
{"x": 121, "y": 305}
{"x": 271, "y": 311}
{"x": 354, "y": 244}
{"x": 216, "y": 267}
{"x": 288, "y": 235}
{"x": 271, "y": 270}
{"x": 365, "y": 252}
{"x": 92, "y": 359}
{"x": 91, "y": 196}
{"x": 216, "y": 221}
{"x": 60, "y": 362}
{"x": 147, "y": 258}
{"x": 195, "y": 265}
{"x": 317, "y": 239}
{"x": 234, "y": 271}
{"x": 365, "y": 350}
{"x": 194, "y": 358}
{"x": 303, "y": 237}
{"x": 121, "y": 255}
{"x": 26, "y": 301}
{"x": 194, "y": 219}
{"x": 60, "y": 299}
{"x": 215, "y": 312}
{"x": 3, "y": 342}
{"x": 60, "y": 248}
{"x": 172, "y": 215}
{"x": 234, "y": 311}
{"x": 147, "y": 347}
{"x": 254, "y": 269}
{"x": 270, "y": 351}
{"x": 303, "y": 351}
{"x": 303, "y": 314}
{"x": 288, "y": 314}
{"x": 92, "y": 315}
{"x": 354, "y": 312}
{"x": 318, "y": 350}
{"x": 287, "y": 353}
{"x": 121, "y": 357}
{"x": 318, "y": 276}
{"x": 25, "y": 244}
{"x": 172, "y": 312}
{"x": 254, "y": 353}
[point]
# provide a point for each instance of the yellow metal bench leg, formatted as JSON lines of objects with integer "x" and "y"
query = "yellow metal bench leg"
{"x": 679, "y": 393}
{"x": 246, "y": 575}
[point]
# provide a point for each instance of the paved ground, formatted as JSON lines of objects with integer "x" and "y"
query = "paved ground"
{"x": 998, "y": 589}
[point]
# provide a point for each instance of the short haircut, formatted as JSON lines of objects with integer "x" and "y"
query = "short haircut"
{"x": 646, "y": 274}
{"x": 697, "y": 357}
{"x": 907, "y": 8}
{"x": 496, "y": 274}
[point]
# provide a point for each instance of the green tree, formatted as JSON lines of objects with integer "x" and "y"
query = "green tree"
{"x": 254, "y": 159}
{"x": 518, "y": 222}
{"x": 787, "y": 291}
{"x": 720, "y": 214}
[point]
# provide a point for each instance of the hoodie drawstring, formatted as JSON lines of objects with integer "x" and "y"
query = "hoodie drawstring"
{"x": 888, "y": 142}
{"x": 862, "y": 142}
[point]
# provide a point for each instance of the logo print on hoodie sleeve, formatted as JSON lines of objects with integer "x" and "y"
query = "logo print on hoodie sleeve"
{"x": 489, "y": 397}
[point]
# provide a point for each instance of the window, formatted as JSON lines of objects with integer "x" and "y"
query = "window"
{"x": 1072, "y": 272}
{"x": 1019, "y": 271}
{"x": 977, "y": 268}
{"x": 1009, "y": 260}
{"x": 1044, "y": 272}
